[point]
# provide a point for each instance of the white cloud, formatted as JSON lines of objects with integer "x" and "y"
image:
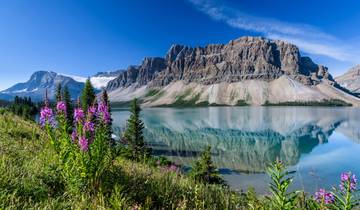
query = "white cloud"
{"x": 308, "y": 38}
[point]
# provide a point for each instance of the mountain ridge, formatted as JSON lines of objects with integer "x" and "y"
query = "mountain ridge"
{"x": 241, "y": 59}
{"x": 42, "y": 81}
{"x": 251, "y": 69}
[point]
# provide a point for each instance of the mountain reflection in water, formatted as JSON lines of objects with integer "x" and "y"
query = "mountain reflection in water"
{"x": 245, "y": 140}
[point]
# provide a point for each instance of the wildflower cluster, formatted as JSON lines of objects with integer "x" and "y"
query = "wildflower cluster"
{"x": 83, "y": 147}
{"x": 61, "y": 107}
{"x": 324, "y": 197}
{"x": 341, "y": 199}
{"x": 47, "y": 117}
{"x": 103, "y": 111}
{"x": 348, "y": 182}
{"x": 84, "y": 131}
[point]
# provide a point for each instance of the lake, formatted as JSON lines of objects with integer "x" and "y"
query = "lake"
{"x": 316, "y": 142}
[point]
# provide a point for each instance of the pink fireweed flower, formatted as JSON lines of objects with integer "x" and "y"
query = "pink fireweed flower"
{"x": 348, "y": 179}
{"x": 103, "y": 111}
{"x": 73, "y": 135}
{"x": 324, "y": 197}
{"x": 61, "y": 107}
{"x": 47, "y": 117}
{"x": 79, "y": 115}
{"x": 92, "y": 111}
{"x": 83, "y": 143}
{"x": 173, "y": 168}
{"x": 89, "y": 126}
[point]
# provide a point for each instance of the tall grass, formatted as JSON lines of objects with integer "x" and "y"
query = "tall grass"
{"x": 30, "y": 178}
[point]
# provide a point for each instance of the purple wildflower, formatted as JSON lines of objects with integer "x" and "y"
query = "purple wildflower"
{"x": 79, "y": 115}
{"x": 92, "y": 111}
{"x": 47, "y": 117}
{"x": 344, "y": 177}
{"x": 89, "y": 126}
{"x": 173, "y": 168}
{"x": 103, "y": 110}
{"x": 348, "y": 180}
{"x": 61, "y": 107}
{"x": 324, "y": 197}
{"x": 83, "y": 143}
{"x": 74, "y": 135}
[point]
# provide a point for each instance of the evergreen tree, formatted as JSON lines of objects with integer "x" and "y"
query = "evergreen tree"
{"x": 204, "y": 170}
{"x": 105, "y": 99}
{"x": 69, "y": 106}
{"x": 24, "y": 107}
{"x": 134, "y": 134}
{"x": 58, "y": 95}
{"x": 88, "y": 95}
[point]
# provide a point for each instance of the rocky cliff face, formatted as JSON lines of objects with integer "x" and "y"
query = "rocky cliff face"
{"x": 241, "y": 59}
{"x": 254, "y": 70}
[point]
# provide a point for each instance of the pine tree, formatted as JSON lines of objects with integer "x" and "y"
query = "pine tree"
{"x": 88, "y": 95}
{"x": 58, "y": 93}
{"x": 105, "y": 99}
{"x": 69, "y": 106}
{"x": 204, "y": 170}
{"x": 134, "y": 134}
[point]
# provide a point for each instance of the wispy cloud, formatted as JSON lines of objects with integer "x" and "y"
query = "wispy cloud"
{"x": 309, "y": 39}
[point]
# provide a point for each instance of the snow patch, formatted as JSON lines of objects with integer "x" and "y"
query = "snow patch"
{"x": 20, "y": 91}
{"x": 35, "y": 89}
{"x": 100, "y": 82}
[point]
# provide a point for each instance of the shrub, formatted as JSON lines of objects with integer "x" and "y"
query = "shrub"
{"x": 204, "y": 170}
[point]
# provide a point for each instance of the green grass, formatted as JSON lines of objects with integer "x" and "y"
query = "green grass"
{"x": 30, "y": 179}
{"x": 330, "y": 103}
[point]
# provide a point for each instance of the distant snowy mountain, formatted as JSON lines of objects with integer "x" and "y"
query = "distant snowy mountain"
{"x": 41, "y": 81}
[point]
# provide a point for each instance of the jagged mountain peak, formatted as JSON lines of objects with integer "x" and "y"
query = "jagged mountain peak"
{"x": 241, "y": 59}
{"x": 252, "y": 69}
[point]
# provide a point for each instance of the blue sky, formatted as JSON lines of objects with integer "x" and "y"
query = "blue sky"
{"x": 83, "y": 37}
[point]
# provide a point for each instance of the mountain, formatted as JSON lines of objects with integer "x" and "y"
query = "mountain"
{"x": 41, "y": 81}
{"x": 251, "y": 70}
{"x": 351, "y": 79}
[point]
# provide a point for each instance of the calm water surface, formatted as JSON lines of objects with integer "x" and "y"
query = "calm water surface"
{"x": 318, "y": 143}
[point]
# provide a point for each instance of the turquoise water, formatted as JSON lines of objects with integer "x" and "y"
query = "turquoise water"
{"x": 317, "y": 143}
